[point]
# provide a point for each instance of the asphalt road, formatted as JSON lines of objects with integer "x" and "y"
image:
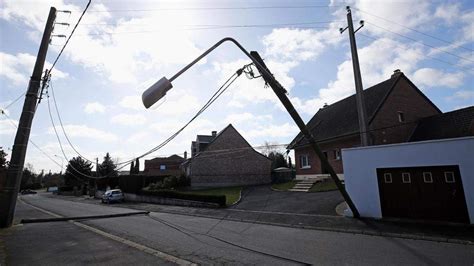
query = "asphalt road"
{"x": 214, "y": 241}
{"x": 263, "y": 198}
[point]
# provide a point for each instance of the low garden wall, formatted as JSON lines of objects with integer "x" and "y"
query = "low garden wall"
{"x": 168, "y": 201}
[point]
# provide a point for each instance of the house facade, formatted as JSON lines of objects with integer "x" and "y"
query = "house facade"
{"x": 228, "y": 160}
{"x": 394, "y": 107}
{"x": 164, "y": 166}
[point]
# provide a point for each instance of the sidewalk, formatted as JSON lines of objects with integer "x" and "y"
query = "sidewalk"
{"x": 461, "y": 234}
{"x": 60, "y": 243}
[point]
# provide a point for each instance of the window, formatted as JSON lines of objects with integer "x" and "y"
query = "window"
{"x": 401, "y": 117}
{"x": 304, "y": 161}
{"x": 162, "y": 167}
{"x": 427, "y": 177}
{"x": 449, "y": 177}
{"x": 337, "y": 154}
{"x": 387, "y": 177}
{"x": 406, "y": 178}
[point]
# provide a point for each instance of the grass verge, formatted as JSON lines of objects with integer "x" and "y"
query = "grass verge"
{"x": 284, "y": 186}
{"x": 326, "y": 185}
{"x": 232, "y": 194}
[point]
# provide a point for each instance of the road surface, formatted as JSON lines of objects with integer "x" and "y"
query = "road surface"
{"x": 213, "y": 241}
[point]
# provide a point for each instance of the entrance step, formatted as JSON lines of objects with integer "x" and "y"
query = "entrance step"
{"x": 305, "y": 185}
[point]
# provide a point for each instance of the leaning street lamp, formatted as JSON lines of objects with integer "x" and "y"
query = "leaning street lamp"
{"x": 159, "y": 89}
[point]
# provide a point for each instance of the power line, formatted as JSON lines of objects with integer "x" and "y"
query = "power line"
{"x": 453, "y": 65}
{"x": 69, "y": 38}
{"x": 61, "y": 123}
{"x": 420, "y": 42}
{"x": 412, "y": 29}
{"x": 34, "y": 144}
{"x": 189, "y": 29}
{"x": 213, "y": 8}
{"x": 226, "y": 25}
{"x": 14, "y": 101}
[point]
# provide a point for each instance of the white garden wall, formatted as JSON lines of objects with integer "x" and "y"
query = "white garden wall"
{"x": 360, "y": 166}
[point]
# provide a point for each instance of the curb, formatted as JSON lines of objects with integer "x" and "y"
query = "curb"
{"x": 238, "y": 201}
{"x": 62, "y": 219}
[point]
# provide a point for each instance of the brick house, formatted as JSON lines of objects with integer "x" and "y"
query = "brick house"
{"x": 228, "y": 160}
{"x": 164, "y": 166}
{"x": 394, "y": 108}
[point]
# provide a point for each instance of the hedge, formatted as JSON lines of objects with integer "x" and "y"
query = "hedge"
{"x": 219, "y": 199}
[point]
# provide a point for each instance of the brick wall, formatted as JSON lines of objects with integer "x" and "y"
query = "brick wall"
{"x": 329, "y": 148}
{"x": 152, "y": 167}
{"x": 406, "y": 99}
{"x": 229, "y": 160}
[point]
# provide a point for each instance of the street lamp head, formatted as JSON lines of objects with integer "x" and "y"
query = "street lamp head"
{"x": 156, "y": 92}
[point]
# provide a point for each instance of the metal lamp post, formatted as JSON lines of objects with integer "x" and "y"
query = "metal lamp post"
{"x": 159, "y": 89}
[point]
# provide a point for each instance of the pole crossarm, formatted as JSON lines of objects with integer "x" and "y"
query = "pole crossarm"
{"x": 280, "y": 93}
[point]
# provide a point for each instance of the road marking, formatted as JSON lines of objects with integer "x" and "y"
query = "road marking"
{"x": 151, "y": 251}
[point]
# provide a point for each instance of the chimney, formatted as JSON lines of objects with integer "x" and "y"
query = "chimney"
{"x": 185, "y": 155}
{"x": 396, "y": 73}
{"x": 214, "y": 133}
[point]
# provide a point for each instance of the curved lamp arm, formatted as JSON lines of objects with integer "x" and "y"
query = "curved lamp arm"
{"x": 159, "y": 89}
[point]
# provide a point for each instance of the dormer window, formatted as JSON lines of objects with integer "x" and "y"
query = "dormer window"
{"x": 401, "y": 117}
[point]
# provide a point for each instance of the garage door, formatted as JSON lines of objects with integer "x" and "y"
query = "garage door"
{"x": 428, "y": 193}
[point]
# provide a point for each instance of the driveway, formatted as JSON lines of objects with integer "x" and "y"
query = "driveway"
{"x": 263, "y": 198}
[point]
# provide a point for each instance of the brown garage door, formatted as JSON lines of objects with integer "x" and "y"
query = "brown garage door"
{"x": 429, "y": 193}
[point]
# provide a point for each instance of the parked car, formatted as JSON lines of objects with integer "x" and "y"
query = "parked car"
{"x": 114, "y": 195}
{"x": 27, "y": 191}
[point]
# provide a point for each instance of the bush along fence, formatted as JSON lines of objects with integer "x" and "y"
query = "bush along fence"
{"x": 157, "y": 189}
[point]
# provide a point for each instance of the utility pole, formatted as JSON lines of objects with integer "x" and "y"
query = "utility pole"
{"x": 361, "y": 110}
{"x": 11, "y": 185}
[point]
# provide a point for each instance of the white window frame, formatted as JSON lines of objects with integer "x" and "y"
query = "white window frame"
{"x": 453, "y": 180}
{"x": 403, "y": 178}
{"x": 337, "y": 153}
{"x": 427, "y": 180}
{"x": 162, "y": 167}
{"x": 387, "y": 178}
{"x": 304, "y": 165}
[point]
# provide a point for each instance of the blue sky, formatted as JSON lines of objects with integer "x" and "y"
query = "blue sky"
{"x": 122, "y": 47}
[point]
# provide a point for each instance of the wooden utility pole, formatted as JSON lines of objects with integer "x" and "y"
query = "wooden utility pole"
{"x": 11, "y": 185}
{"x": 361, "y": 110}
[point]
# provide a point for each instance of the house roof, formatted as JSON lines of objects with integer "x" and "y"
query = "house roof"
{"x": 341, "y": 118}
{"x": 204, "y": 138}
{"x": 173, "y": 157}
{"x": 454, "y": 124}
{"x": 228, "y": 127}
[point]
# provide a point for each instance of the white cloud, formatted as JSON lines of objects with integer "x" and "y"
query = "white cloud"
{"x": 448, "y": 12}
{"x": 94, "y": 107}
{"x": 272, "y": 131}
{"x": 377, "y": 62}
{"x": 128, "y": 119}
{"x": 462, "y": 95}
{"x": 403, "y": 12}
{"x": 293, "y": 44}
{"x": 120, "y": 56}
{"x": 83, "y": 131}
{"x": 18, "y": 68}
{"x": 7, "y": 126}
{"x": 436, "y": 78}
{"x": 133, "y": 102}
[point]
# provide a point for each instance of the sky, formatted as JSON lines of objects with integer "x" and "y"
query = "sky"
{"x": 120, "y": 48}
